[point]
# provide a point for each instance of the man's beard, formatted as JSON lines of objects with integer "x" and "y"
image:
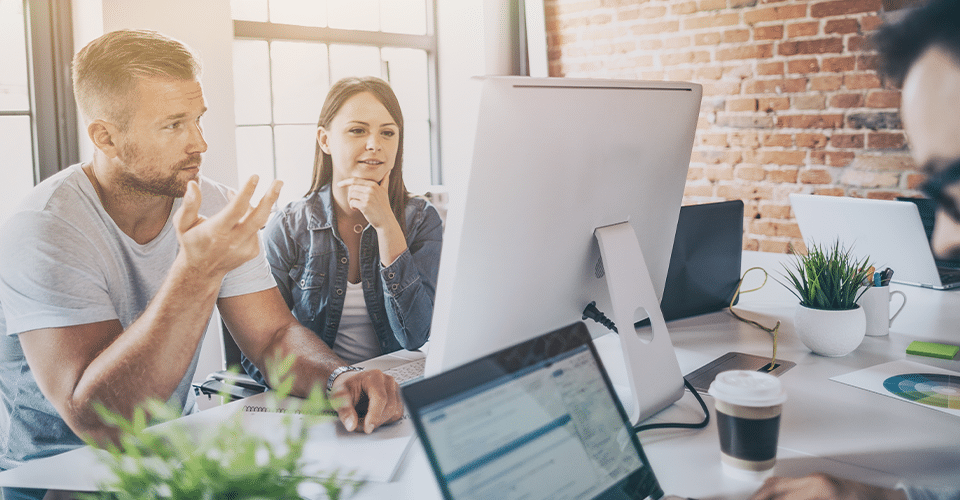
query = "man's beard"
{"x": 173, "y": 184}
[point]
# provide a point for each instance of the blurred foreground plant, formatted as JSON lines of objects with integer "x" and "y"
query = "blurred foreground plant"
{"x": 225, "y": 462}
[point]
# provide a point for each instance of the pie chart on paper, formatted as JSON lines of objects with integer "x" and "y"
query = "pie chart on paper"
{"x": 933, "y": 389}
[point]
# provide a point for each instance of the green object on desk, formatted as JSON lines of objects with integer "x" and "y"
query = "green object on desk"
{"x": 932, "y": 349}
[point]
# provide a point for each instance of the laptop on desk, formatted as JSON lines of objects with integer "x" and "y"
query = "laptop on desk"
{"x": 891, "y": 233}
{"x": 535, "y": 421}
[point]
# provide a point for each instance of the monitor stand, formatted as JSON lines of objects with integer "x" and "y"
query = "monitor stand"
{"x": 651, "y": 363}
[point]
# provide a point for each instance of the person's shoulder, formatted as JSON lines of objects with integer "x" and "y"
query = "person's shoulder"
{"x": 62, "y": 199}
{"x": 214, "y": 195}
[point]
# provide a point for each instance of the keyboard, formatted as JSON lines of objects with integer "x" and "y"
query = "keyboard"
{"x": 407, "y": 372}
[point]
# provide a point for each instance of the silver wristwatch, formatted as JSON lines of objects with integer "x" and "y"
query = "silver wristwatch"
{"x": 336, "y": 373}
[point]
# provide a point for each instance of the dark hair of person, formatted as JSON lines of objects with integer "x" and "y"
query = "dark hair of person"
{"x": 901, "y": 43}
{"x": 339, "y": 93}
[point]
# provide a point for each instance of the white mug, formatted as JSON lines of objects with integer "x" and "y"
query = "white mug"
{"x": 875, "y": 302}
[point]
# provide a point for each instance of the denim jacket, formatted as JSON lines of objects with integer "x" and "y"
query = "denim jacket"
{"x": 310, "y": 264}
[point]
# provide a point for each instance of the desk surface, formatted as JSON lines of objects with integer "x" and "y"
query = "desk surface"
{"x": 826, "y": 425}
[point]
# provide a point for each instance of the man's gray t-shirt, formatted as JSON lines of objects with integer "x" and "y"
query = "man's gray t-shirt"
{"x": 64, "y": 262}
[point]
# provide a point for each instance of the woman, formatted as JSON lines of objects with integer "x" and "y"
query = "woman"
{"x": 357, "y": 258}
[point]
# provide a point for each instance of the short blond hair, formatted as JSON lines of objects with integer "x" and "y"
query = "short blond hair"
{"x": 105, "y": 72}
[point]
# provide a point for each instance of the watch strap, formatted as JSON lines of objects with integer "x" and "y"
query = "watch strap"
{"x": 336, "y": 373}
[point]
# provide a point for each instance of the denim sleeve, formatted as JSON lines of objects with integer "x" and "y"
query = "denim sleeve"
{"x": 921, "y": 493}
{"x": 281, "y": 252}
{"x": 410, "y": 282}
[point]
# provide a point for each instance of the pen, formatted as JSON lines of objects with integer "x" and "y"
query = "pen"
{"x": 887, "y": 276}
{"x": 877, "y": 279}
{"x": 867, "y": 280}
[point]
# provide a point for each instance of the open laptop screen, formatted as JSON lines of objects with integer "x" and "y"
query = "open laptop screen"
{"x": 531, "y": 422}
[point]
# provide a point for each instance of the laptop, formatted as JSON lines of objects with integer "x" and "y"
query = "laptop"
{"x": 890, "y": 232}
{"x": 534, "y": 421}
{"x": 705, "y": 263}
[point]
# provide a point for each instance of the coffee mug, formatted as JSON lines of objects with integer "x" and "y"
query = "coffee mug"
{"x": 875, "y": 302}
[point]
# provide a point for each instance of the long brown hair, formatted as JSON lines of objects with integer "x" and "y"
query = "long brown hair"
{"x": 339, "y": 93}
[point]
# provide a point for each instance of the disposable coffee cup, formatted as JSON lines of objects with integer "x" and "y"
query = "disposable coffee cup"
{"x": 748, "y": 407}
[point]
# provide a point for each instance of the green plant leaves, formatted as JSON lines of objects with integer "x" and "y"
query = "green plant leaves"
{"x": 827, "y": 277}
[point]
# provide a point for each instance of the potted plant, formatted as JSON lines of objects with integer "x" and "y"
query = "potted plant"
{"x": 828, "y": 280}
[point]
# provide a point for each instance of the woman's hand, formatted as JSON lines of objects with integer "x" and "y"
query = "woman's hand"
{"x": 371, "y": 198}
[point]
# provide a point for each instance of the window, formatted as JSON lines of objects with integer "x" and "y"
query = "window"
{"x": 288, "y": 53}
{"x": 37, "y": 114}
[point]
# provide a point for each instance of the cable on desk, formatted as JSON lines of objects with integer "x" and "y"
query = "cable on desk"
{"x": 772, "y": 331}
{"x": 591, "y": 312}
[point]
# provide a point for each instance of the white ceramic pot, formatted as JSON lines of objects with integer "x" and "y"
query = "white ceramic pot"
{"x": 830, "y": 333}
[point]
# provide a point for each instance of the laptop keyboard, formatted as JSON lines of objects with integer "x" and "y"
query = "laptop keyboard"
{"x": 407, "y": 372}
{"x": 948, "y": 275}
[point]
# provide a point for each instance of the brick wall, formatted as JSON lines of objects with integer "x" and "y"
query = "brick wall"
{"x": 791, "y": 101}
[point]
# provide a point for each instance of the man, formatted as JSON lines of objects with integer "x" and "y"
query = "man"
{"x": 109, "y": 270}
{"x": 922, "y": 54}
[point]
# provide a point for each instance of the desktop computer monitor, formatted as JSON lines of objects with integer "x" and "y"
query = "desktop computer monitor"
{"x": 554, "y": 160}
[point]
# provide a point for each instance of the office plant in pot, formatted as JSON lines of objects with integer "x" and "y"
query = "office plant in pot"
{"x": 828, "y": 280}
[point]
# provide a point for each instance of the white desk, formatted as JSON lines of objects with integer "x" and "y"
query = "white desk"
{"x": 826, "y": 425}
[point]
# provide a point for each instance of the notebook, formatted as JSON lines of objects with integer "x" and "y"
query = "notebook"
{"x": 534, "y": 421}
{"x": 891, "y": 233}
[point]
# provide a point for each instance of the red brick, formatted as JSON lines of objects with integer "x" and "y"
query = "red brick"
{"x": 778, "y": 13}
{"x": 830, "y": 191}
{"x": 736, "y": 36}
{"x": 715, "y": 140}
{"x": 675, "y": 58}
{"x": 883, "y": 195}
{"x": 682, "y": 74}
{"x": 856, "y": 43}
{"x": 783, "y": 175}
{"x": 750, "y": 172}
{"x": 652, "y": 12}
{"x": 769, "y": 68}
{"x": 886, "y": 140}
{"x": 787, "y": 85}
{"x": 774, "y": 210}
{"x": 718, "y": 173}
{"x": 720, "y": 88}
{"x": 712, "y": 5}
{"x": 705, "y": 190}
{"x": 841, "y": 26}
{"x": 744, "y": 192}
{"x": 812, "y": 141}
{"x": 839, "y": 64}
{"x": 809, "y": 101}
{"x": 847, "y": 141}
{"x": 861, "y": 81}
{"x": 770, "y": 104}
{"x": 870, "y": 23}
{"x": 843, "y": 7}
{"x": 803, "y": 66}
{"x": 709, "y": 73}
{"x": 711, "y": 21}
{"x": 683, "y": 8}
{"x": 828, "y": 82}
{"x": 768, "y": 33}
{"x": 796, "y": 30}
{"x": 915, "y": 180}
{"x": 759, "y": 51}
{"x": 846, "y": 101}
{"x": 677, "y": 42}
{"x": 778, "y": 140}
{"x": 815, "y": 121}
{"x": 815, "y": 46}
{"x": 711, "y": 38}
{"x": 788, "y": 157}
{"x": 868, "y": 62}
{"x": 774, "y": 246}
{"x": 815, "y": 176}
{"x": 741, "y": 104}
{"x": 832, "y": 158}
{"x": 883, "y": 99}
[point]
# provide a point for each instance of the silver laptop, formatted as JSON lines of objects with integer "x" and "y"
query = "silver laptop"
{"x": 891, "y": 233}
{"x": 538, "y": 420}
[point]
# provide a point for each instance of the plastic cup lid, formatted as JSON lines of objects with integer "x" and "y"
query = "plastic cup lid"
{"x": 748, "y": 388}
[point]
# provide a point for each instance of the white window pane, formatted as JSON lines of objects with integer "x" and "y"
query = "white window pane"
{"x": 403, "y": 16}
{"x": 251, "y": 80}
{"x": 300, "y": 81}
{"x": 299, "y": 12}
{"x": 249, "y": 10}
{"x": 296, "y": 146}
{"x": 255, "y": 157}
{"x": 355, "y": 14}
{"x": 17, "y": 162}
{"x": 407, "y": 70}
{"x": 354, "y": 60}
{"x": 13, "y": 53}
{"x": 416, "y": 155}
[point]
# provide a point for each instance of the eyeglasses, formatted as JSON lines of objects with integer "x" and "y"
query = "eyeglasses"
{"x": 937, "y": 183}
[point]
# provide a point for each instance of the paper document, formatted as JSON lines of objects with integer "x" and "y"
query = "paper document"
{"x": 909, "y": 381}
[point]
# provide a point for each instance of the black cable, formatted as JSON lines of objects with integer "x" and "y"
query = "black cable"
{"x": 591, "y": 312}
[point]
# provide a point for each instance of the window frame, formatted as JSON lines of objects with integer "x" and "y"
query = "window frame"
{"x": 270, "y": 32}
